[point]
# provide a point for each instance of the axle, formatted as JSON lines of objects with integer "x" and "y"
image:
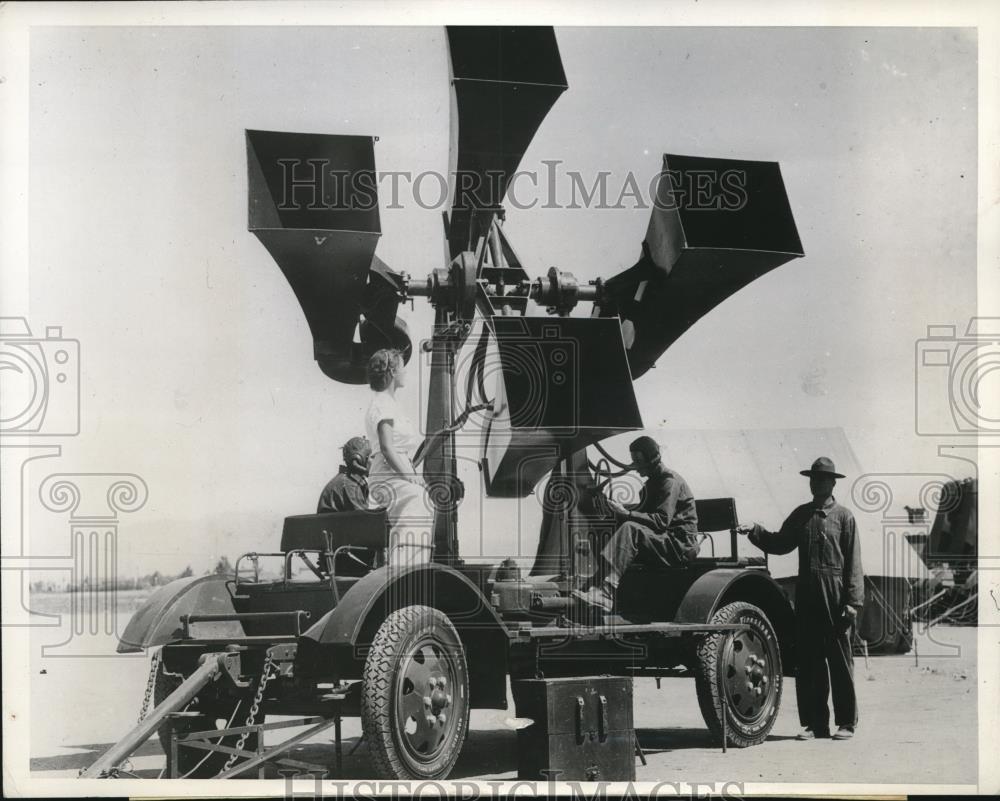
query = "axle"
{"x": 559, "y": 291}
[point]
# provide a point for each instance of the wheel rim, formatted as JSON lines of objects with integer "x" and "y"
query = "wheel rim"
{"x": 429, "y": 700}
{"x": 749, "y": 661}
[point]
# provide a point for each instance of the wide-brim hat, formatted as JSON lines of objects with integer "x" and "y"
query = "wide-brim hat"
{"x": 823, "y": 468}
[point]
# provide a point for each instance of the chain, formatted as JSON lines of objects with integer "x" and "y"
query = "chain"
{"x": 265, "y": 677}
{"x": 154, "y": 668}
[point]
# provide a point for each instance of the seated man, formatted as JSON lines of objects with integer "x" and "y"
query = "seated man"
{"x": 659, "y": 530}
{"x": 348, "y": 490}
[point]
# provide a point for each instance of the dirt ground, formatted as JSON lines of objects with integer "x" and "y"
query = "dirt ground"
{"x": 918, "y": 724}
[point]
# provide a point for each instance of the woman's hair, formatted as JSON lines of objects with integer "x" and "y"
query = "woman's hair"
{"x": 382, "y": 366}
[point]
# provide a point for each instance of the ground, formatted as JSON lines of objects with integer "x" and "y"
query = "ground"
{"x": 918, "y": 724}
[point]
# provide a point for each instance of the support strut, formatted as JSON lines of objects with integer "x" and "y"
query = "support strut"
{"x": 212, "y": 666}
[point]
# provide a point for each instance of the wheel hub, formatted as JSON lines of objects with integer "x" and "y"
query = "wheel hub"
{"x": 425, "y": 706}
{"x": 747, "y": 675}
{"x": 439, "y": 699}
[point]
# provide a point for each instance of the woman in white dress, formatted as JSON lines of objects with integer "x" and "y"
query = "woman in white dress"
{"x": 393, "y": 481}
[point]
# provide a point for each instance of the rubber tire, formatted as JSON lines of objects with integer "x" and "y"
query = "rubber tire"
{"x": 398, "y": 632}
{"x": 709, "y": 654}
{"x": 188, "y": 758}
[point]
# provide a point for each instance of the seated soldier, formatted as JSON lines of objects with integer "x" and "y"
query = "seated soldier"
{"x": 348, "y": 490}
{"x": 660, "y": 530}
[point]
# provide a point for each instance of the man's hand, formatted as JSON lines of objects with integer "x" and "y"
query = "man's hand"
{"x": 744, "y": 530}
{"x": 606, "y": 506}
{"x": 850, "y": 615}
{"x": 619, "y": 511}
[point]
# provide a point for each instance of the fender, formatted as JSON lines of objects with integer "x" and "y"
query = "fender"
{"x": 157, "y": 621}
{"x": 716, "y": 588}
{"x": 351, "y": 626}
{"x": 377, "y": 594}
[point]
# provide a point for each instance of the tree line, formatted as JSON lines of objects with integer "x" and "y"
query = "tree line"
{"x": 146, "y": 582}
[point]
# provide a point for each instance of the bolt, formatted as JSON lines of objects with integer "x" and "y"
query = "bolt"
{"x": 431, "y": 685}
{"x": 427, "y": 700}
{"x": 763, "y": 680}
{"x": 746, "y": 669}
{"x": 750, "y": 686}
{"x": 430, "y": 721}
{"x": 442, "y": 682}
{"x": 442, "y": 718}
{"x": 447, "y": 700}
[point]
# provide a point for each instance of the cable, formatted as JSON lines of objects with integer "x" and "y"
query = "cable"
{"x": 608, "y": 472}
{"x": 477, "y": 368}
{"x": 217, "y": 742}
{"x": 611, "y": 458}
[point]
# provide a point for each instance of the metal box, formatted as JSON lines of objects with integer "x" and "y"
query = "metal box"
{"x": 582, "y": 729}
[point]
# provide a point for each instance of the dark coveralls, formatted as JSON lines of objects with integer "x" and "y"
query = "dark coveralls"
{"x": 830, "y": 577}
{"x": 345, "y": 492}
{"x": 660, "y": 530}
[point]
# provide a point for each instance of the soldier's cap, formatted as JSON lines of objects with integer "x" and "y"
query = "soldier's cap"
{"x": 356, "y": 445}
{"x": 822, "y": 468}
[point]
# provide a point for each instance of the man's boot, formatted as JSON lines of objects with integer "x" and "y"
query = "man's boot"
{"x": 600, "y": 596}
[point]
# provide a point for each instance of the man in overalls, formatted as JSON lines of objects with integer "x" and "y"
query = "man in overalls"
{"x": 829, "y": 595}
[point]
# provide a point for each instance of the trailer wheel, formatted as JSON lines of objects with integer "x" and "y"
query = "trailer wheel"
{"x": 192, "y": 763}
{"x": 744, "y": 673}
{"x": 415, "y": 695}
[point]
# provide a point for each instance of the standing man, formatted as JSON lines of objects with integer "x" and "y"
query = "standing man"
{"x": 348, "y": 490}
{"x": 829, "y": 594}
{"x": 662, "y": 529}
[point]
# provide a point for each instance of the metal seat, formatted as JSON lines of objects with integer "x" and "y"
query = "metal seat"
{"x": 365, "y": 528}
{"x": 717, "y": 515}
{"x": 714, "y": 515}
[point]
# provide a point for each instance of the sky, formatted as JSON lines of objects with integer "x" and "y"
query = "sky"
{"x": 196, "y": 362}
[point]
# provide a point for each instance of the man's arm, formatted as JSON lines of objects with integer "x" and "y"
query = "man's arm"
{"x": 854, "y": 575}
{"x": 659, "y": 519}
{"x": 783, "y": 541}
{"x": 327, "y": 499}
{"x": 631, "y": 507}
{"x": 356, "y": 497}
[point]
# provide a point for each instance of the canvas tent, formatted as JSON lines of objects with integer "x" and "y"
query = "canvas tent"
{"x": 760, "y": 470}
{"x": 758, "y": 467}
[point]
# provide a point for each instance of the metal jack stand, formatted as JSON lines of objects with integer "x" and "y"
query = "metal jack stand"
{"x": 639, "y": 752}
{"x": 201, "y": 740}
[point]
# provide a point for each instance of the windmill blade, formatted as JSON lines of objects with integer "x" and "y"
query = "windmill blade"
{"x": 717, "y": 225}
{"x": 313, "y": 204}
{"x": 504, "y": 80}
